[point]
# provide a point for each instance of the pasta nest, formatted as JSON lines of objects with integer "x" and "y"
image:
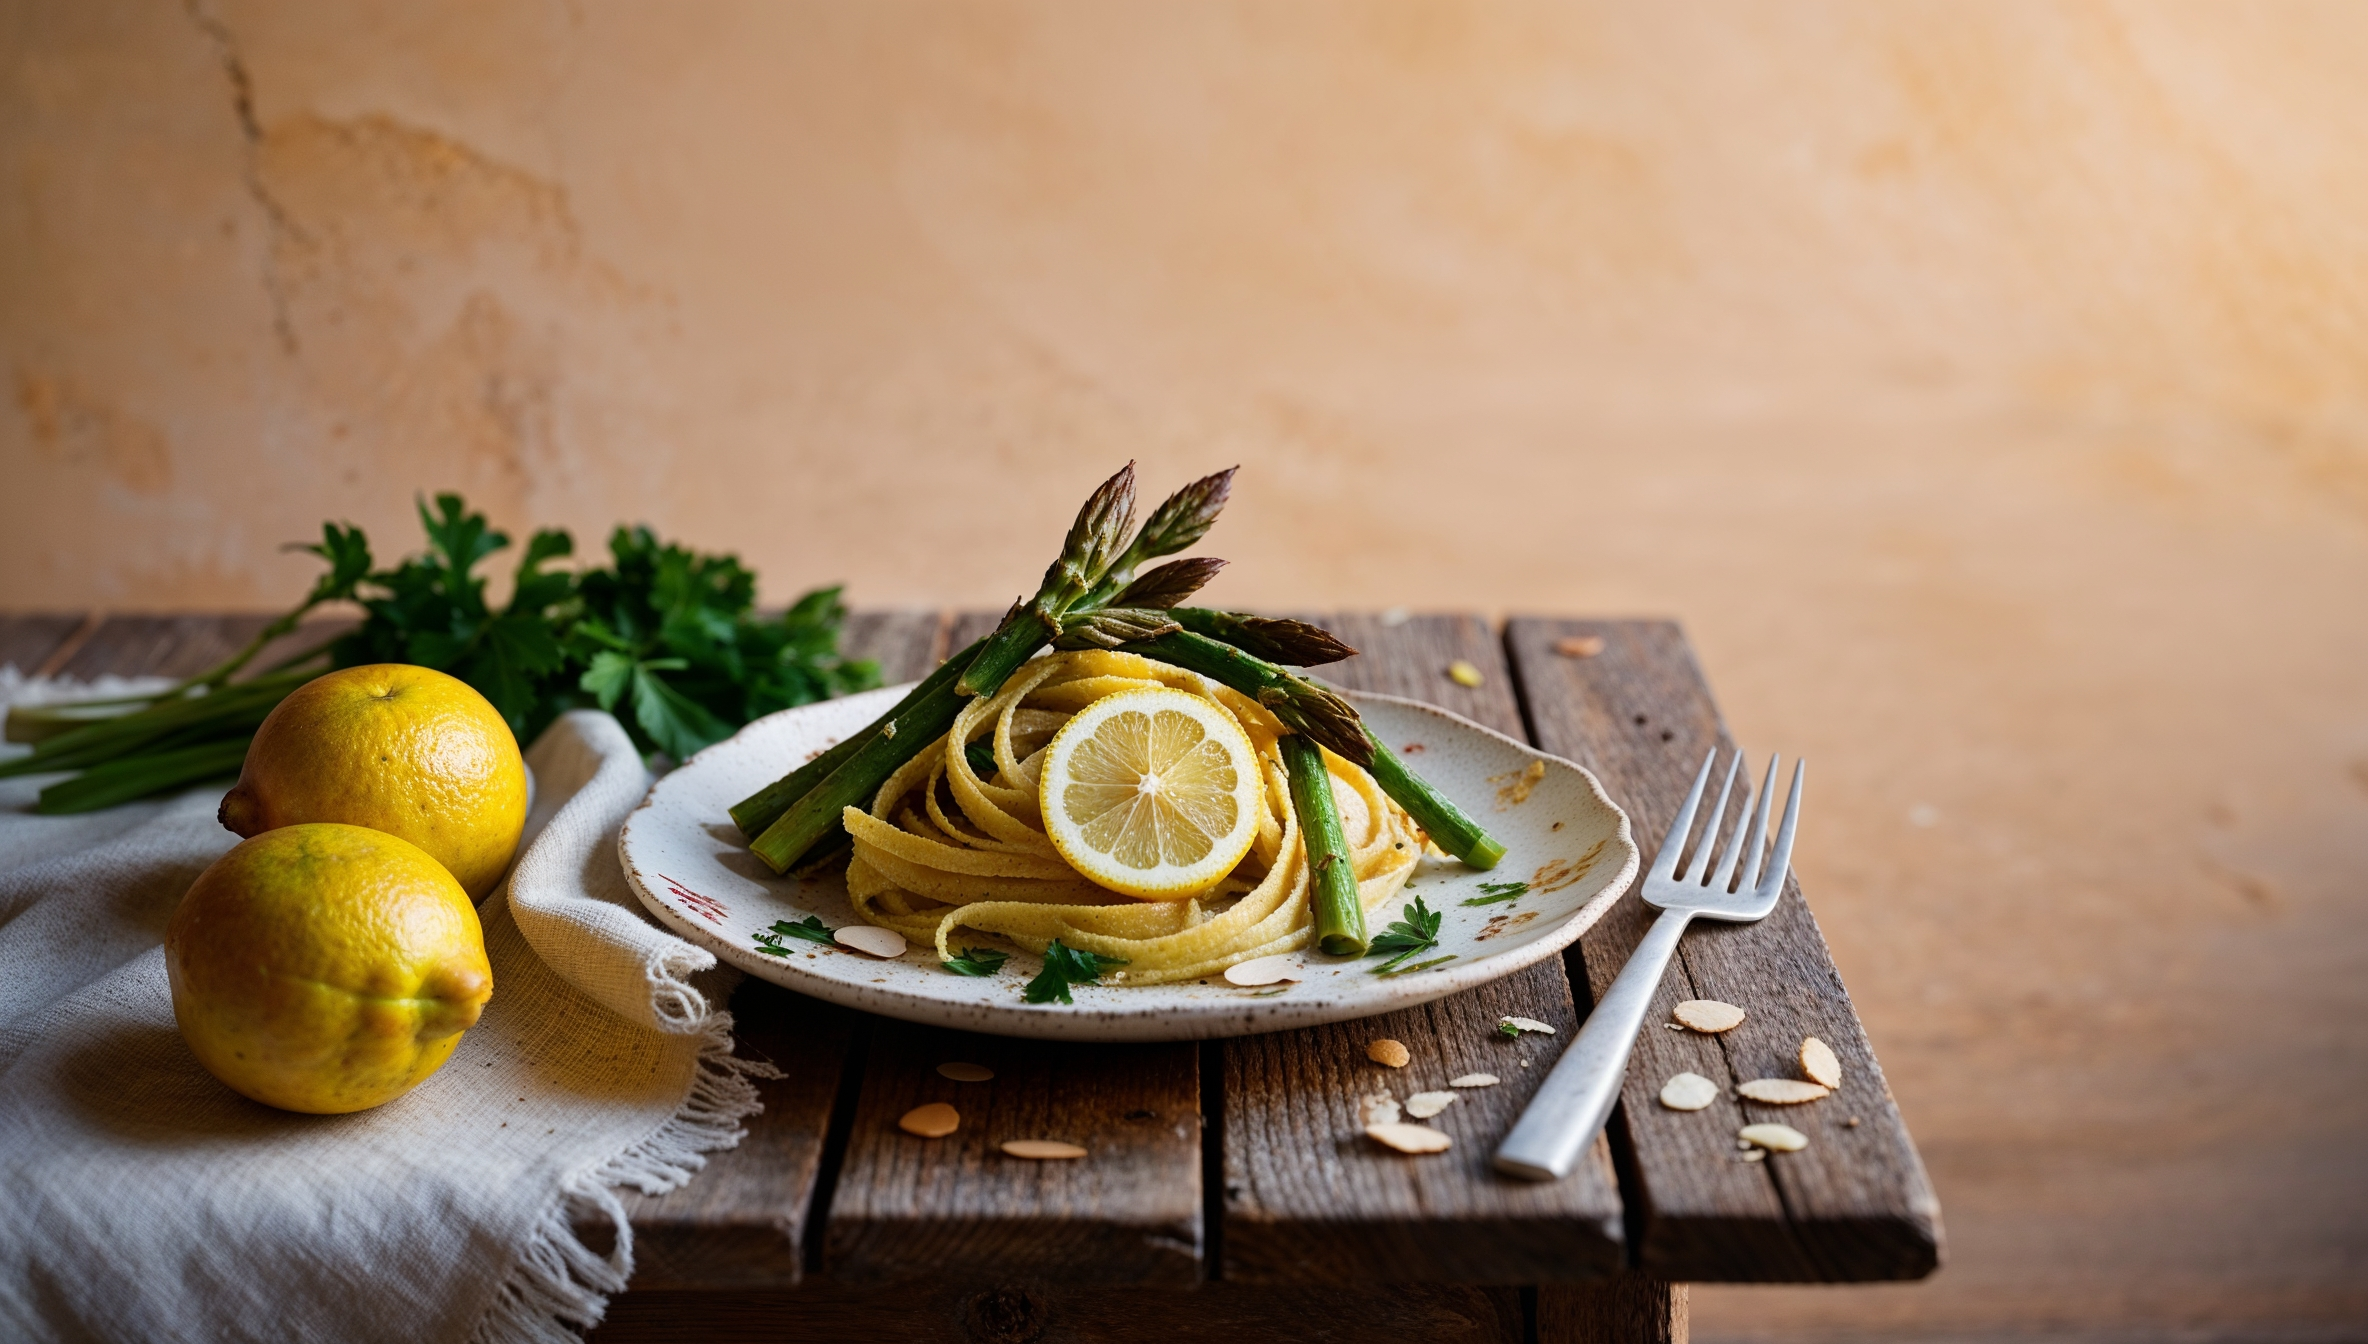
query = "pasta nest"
{"x": 943, "y": 848}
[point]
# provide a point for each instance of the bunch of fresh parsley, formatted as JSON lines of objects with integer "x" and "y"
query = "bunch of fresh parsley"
{"x": 667, "y": 638}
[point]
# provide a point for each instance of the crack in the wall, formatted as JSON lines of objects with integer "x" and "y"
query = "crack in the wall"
{"x": 242, "y": 104}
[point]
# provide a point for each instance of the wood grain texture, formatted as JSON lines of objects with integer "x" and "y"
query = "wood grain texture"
{"x": 908, "y": 1208}
{"x": 1856, "y": 1204}
{"x": 27, "y": 641}
{"x": 1308, "y": 1198}
{"x": 161, "y": 646}
{"x": 1032, "y": 1312}
{"x": 743, "y": 1222}
{"x": 1630, "y": 1308}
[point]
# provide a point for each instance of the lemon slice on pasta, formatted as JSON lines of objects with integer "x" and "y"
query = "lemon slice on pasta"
{"x": 1152, "y": 793}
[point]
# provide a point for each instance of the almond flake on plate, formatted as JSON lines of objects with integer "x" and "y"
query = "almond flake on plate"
{"x": 871, "y": 939}
{"x": 933, "y": 1121}
{"x": 1818, "y": 1061}
{"x": 1775, "y": 1138}
{"x": 1688, "y": 1092}
{"x": 1424, "y": 1105}
{"x": 1410, "y": 1138}
{"x": 1378, "y": 1109}
{"x": 1708, "y": 1015}
{"x": 1393, "y": 1053}
{"x": 1782, "y": 1091}
{"x": 1474, "y": 1080}
{"x": 1525, "y": 1024}
{"x": 1263, "y": 971}
{"x": 1041, "y": 1150}
{"x": 1579, "y": 646}
{"x": 965, "y": 1073}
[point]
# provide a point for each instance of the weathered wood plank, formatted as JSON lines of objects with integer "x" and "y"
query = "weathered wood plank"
{"x": 161, "y": 646}
{"x": 949, "y": 1311}
{"x": 1307, "y": 1197}
{"x": 1630, "y": 1308}
{"x": 1856, "y": 1204}
{"x": 910, "y": 1208}
{"x": 743, "y": 1222}
{"x": 28, "y": 641}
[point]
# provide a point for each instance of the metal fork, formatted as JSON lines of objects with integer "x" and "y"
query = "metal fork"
{"x": 1577, "y": 1097}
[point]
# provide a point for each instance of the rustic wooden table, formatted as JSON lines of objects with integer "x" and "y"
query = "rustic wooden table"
{"x": 1229, "y": 1195}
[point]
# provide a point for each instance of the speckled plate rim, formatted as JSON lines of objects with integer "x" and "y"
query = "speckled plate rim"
{"x": 1193, "y": 1011}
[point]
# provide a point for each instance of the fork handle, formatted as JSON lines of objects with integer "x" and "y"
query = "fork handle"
{"x": 1577, "y": 1097}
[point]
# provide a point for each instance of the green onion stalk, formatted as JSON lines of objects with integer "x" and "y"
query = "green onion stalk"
{"x": 1331, "y": 873}
{"x": 1090, "y": 592}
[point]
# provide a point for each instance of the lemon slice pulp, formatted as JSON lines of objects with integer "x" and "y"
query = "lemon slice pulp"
{"x": 1152, "y": 793}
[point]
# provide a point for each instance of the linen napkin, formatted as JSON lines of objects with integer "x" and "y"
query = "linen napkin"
{"x": 142, "y": 1200}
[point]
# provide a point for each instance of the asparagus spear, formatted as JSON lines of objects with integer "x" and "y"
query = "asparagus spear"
{"x": 1332, "y": 879}
{"x": 813, "y": 817}
{"x": 1307, "y": 708}
{"x": 1277, "y": 641}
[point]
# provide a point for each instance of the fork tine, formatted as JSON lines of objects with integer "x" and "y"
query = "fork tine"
{"x": 1665, "y": 862}
{"x": 1782, "y": 859}
{"x": 1757, "y": 849}
{"x": 1734, "y": 851}
{"x": 1698, "y": 868}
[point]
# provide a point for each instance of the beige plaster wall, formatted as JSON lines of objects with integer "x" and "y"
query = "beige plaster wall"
{"x": 1985, "y": 385}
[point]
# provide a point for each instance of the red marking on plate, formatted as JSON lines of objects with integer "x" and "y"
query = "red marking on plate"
{"x": 1411, "y": 749}
{"x": 706, "y": 907}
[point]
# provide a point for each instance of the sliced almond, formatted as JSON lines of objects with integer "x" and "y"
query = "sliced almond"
{"x": 1263, "y": 971}
{"x": 1579, "y": 646}
{"x": 1708, "y": 1015}
{"x": 1410, "y": 1138}
{"x": 1393, "y": 1053}
{"x": 1819, "y": 1063}
{"x": 1782, "y": 1091}
{"x": 965, "y": 1073}
{"x": 871, "y": 940}
{"x": 1474, "y": 1080}
{"x": 1688, "y": 1092}
{"x": 1755, "y": 1155}
{"x": 1378, "y": 1109}
{"x": 1424, "y": 1105}
{"x": 933, "y": 1121}
{"x": 1042, "y": 1150}
{"x": 1775, "y": 1138}
{"x": 1525, "y": 1024}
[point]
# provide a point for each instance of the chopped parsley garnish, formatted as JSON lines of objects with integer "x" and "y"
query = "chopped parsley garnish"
{"x": 980, "y": 961}
{"x": 1418, "y": 966}
{"x": 981, "y": 755}
{"x": 1418, "y": 932}
{"x": 811, "y": 928}
{"x": 1494, "y": 892}
{"x": 1507, "y": 1030}
{"x": 1065, "y": 966}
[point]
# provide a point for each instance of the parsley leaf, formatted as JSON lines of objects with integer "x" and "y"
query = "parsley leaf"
{"x": 811, "y": 928}
{"x": 1418, "y": 932}
{"x": 981, "y": 961}
{"x": 1065, "y": 966}
{"x": 1494, "y": 892}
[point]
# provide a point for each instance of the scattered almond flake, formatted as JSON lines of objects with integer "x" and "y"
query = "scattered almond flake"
{"x": 1424, "y": 1105}
{"x": 1851, "y": 1123}
{"x": 1688, "y": 1092}
{"x": 1819, "y": 1063}
{"x": 1263, "y": 971}
{"x": 1041, "y": 1150}
{"x": 1775, "y": 1138}
{"x": 965, "y": 1073}
{"x": 1410, "y": 1138}
{"x": 1520, "y": 1024}
{"x": 871, "y": 939}
{"x": 1744, "y": 1144}
{"x": 1378, "y": 1108}
{"x": 1579, "y": 646}
{"x": 1754, "y": 1155}
{"x": 1463, "y": 673}
{"x": 933, "y": 1121}
{"x": 1386, "y": 1051}
{"x": 1675, "y": 1026}
{"x": 1782, "y": 1091}
{"x": 1474, "y": 1080}
{"x": 1708, "y": 1015}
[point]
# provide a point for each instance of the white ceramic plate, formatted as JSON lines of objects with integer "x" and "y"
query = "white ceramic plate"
{"x": 1567, "y": 840}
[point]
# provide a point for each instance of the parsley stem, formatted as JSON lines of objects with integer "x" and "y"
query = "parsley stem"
{"x": 1331, "y": 872}
{"x": 125, "y": 778}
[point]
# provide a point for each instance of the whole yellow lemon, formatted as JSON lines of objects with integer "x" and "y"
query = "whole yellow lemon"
{"x": 400, "y": 749}
{"x": 325, "y": 968}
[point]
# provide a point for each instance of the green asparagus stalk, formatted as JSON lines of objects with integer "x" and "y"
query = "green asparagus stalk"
{"x": 1448, "y": 825}
{"x": 756, "y": 813}
{"x": 1331, "y": 877}
{"x": 813, "y": 817}
{"x": 1309, "y": 709}
{"x": 1294, "y": 643}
